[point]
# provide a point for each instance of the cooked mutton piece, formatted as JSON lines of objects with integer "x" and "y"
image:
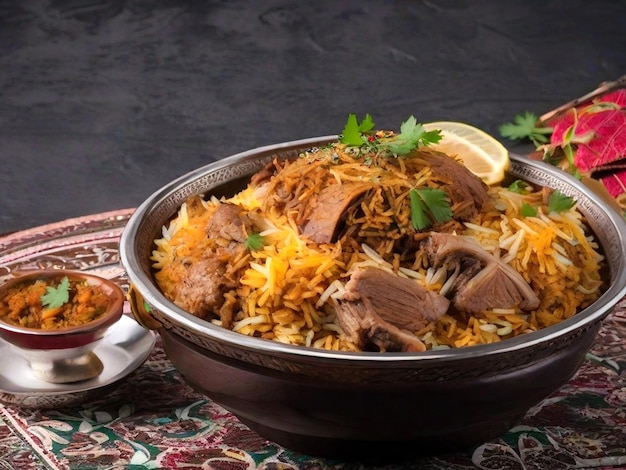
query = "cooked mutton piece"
{"x": 330, "y": 200}
{"x": 467, "y": 192}
{"x": 229, "y": 224}
{"x": 323, "y": 215}
{"x": 484, "y": 282}
{"x": 384, "y": 310}
{"x": 205, "y": 280}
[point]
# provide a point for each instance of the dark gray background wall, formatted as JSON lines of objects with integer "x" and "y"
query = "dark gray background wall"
{"x": 102, "y": 103}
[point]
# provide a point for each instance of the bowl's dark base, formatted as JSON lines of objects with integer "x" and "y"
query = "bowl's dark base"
{"x": 356, "y": 420}
{"x": 382, "y": 451}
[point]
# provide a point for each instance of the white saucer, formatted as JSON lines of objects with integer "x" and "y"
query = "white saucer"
{"x": 125, "y": 347}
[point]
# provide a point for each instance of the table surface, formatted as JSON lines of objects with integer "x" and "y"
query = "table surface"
{"x": 152, "y": 419}
{"x": 102, "y": 103}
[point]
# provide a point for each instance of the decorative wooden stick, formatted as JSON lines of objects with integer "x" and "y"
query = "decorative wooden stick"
{"x": 603, "y": 89}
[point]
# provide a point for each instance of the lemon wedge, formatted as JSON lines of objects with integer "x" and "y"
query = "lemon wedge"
{"x": 481, "y": 153}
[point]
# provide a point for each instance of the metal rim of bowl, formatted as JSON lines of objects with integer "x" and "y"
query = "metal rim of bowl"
{"x": 591, "y": 206}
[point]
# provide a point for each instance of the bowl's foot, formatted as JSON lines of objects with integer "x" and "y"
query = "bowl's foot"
{"x": 67, "y": 370}
{"x": 379, "y": 452}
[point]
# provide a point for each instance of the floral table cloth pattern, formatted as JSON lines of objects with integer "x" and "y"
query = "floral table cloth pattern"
{"x": 152, "y": 419}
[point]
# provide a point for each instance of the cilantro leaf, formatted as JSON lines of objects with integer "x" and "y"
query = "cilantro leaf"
{"x": 559, "y": 202}
{"x": 437, "y": 202}
{"x": 367, "y": 124}
{"x": 419, "y": 219}
{"x": 527, "y": 210}
{"x": 351, "y": 134}
{"x": 519, "y": 187}
{"x": 524, "y": 126}
{"x": 431, "y": 137}
{"x": 411, "y": 136}
{"x": 353, "y": 131}
{"x": 429, "y": 203}
{"x": 55, "y": 297}
{"x": 254, "y": 242}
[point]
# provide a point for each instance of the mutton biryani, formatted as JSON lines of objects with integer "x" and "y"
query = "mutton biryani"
{"x": 377, "y": 242}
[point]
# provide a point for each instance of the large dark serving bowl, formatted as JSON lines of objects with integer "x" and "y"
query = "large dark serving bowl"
{"x": 344, "y": 404}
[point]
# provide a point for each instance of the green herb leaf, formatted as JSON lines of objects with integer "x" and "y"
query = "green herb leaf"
{"x": 351, "y": 134}
{"x": 411, "y": 136}
{"x": 353, "y": 131}
{"x": 520, "y": 187}
{"x": 559, "y": 202}
{"x": 429, "y": 203}
{"x": 527, "y": 210}
{"x": 437, "y": 202}
{"x": 419, "y": 219}
{"x": 367, "y": 124}
{"x": 55, "y": 297}
{"x": 524, "y": 126}
{"x": 431, "y": 137}
{"x": 254, "y": 242}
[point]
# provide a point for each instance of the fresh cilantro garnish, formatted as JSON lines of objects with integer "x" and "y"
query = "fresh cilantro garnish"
{"x": 419, "y": 219}
{"x": 527, "y": 210}
{"x": 411, "y": 136}
{"x": 559, "y": 202}
{"x": 429, "y": 204}
{"x": 55, "y": 297}
{"x": 524, "y": 126}
{"x": 254, "y": 242}
{"x": 520, "y": 187}
{"x": 354, "y": 132}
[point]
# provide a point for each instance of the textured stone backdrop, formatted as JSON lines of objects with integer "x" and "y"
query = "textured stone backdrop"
{"x": 102, "y": 103}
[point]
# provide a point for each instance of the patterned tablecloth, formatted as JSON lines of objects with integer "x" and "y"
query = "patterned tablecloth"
{"x": 152, "y": 419}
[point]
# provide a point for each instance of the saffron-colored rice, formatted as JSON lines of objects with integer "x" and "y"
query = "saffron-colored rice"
{"x": 286, "y": 287}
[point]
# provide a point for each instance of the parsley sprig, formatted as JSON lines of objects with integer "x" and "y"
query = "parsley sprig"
{"x": 254, "y": 242}
{"x": 429, "y": 205}
{"x": 354, "y": 132}
{"x": 527, "y": 210}
{"x": 520, "y": 187}
{"x": 56, "y": 297}
{"x": 411, "y": 136}
{"x": 559, "y": 202}
{"x": 524, "y": 126}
